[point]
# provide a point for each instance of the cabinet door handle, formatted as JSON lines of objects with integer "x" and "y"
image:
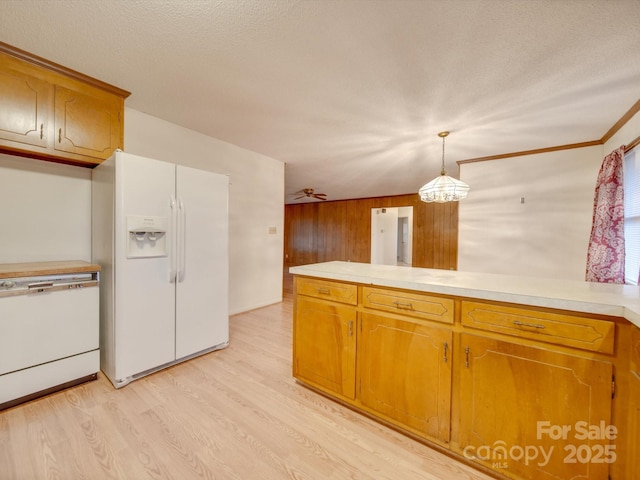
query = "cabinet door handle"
{"x": 60, "y": 135}
{"x": 324, "y": 291}
{"x": 446, "y": 347}
{"x": 351, "y": 328}
{"x": 41, "y": 130}
{"x": 522, "y": 324}
{"x": 466, "y": 353}
{"x": 406, "y": 306}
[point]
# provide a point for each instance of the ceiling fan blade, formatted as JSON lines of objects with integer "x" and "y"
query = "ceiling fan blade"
{"x": 298, "y": 198}
{"x": 319, "y": 196}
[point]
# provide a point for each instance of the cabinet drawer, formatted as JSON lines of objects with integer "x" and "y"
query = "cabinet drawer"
{"x": 413, "y": 304}
{"x": 562, "y": 329}
{"x": 328, "y": 290}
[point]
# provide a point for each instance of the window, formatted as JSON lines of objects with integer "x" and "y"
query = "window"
{"x": 632, "y": 217}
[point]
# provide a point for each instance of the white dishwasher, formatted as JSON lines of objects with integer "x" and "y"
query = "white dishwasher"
{"x": 49, "y": 328}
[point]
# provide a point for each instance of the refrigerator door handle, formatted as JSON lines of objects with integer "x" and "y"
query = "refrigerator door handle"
{"x": 182, "y": 240}
{"x": 173, "y": 241}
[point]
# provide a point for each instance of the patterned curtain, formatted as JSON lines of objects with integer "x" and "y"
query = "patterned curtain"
{"x": 605, "y": 257}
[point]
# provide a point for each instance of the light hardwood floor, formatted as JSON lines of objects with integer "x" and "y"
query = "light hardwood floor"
{"x": 232, "y": 414}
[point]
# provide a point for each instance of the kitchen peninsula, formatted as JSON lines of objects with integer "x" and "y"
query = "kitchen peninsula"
{"x": 527, "y": 377}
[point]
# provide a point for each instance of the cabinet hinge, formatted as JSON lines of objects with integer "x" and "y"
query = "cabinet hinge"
{"x": 613, "y": 388}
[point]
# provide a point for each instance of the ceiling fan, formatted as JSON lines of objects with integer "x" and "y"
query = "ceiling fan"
{"x": 309, "y": 193}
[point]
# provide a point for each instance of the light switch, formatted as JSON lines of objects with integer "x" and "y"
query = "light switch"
{"x": 272, "y": 230}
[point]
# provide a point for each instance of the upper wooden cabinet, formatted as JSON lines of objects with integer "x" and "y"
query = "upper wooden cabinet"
{"x": 25, "y": 103}
{"x": 88, "y": 125}
{"x": 52, "y": 113}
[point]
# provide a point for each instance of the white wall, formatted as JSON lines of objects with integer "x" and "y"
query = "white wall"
{"x": 384, "y": 236}
{"x": 46, "y": 211}
{"x": 548, "y": 234}
{"x": 408, "y": 212}
{"x": 256, "y": 201}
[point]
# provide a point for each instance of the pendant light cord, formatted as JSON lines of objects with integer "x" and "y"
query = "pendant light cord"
{"x": 443, "y": 172}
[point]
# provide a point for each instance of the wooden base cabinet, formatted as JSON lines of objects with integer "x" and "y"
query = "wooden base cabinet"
{"x": 633, "y": 449}
{"x": 324, "y": 348}
{"x": 405, "y": 373}
{"x": 526, "y": 410}
{"x": 634, "y": 428}
{"x": 528, "y": 393}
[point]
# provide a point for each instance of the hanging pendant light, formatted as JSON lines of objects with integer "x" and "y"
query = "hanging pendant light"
{"x": 443, "y": 188}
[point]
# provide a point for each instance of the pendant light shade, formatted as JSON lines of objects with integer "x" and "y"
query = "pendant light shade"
{"x": 443, "y": 188}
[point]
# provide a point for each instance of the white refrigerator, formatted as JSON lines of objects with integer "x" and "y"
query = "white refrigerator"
{"x": 160, "y": 233}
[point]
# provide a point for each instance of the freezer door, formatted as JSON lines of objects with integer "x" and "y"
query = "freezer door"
{"x": 202, "y": 265}
{"x": 144, "y": 294}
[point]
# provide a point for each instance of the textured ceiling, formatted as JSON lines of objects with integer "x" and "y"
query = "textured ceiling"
{"x": 351, "y": 94}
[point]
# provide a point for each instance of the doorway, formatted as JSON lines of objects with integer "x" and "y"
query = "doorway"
{"x": 391, "y": 236}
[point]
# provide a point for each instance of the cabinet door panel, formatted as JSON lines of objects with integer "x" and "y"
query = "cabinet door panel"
{"x": 507, "y": 389}
{"x": 24, "y": 105}
{"x": 405, "y": 370}
{"x": 324, "y": 345}
{"x": 634, "y": 427}
{"x": 86, "y": 124}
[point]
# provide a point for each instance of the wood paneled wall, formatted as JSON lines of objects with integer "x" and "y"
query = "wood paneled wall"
{"x": 341, "y": 230}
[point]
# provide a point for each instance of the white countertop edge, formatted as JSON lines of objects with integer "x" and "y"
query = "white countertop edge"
{"x": 408, "y": 278}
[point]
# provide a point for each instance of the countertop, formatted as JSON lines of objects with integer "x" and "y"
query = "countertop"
{"x": 31, "y": 269}
{"x": 587, "y": 297}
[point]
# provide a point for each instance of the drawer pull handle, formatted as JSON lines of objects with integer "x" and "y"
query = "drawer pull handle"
{"x": 324, "y": 291}
{"x": 532, "y": 325}
{"x": 406, "y": 306}
{"x": 39, "y": 286}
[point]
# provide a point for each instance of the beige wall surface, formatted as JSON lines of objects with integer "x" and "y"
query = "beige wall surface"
{"x": 547, "y": 235}
{"x": 46, "y": 211}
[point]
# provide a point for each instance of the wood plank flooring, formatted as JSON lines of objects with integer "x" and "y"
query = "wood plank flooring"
{"x": 232, "y": 414}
